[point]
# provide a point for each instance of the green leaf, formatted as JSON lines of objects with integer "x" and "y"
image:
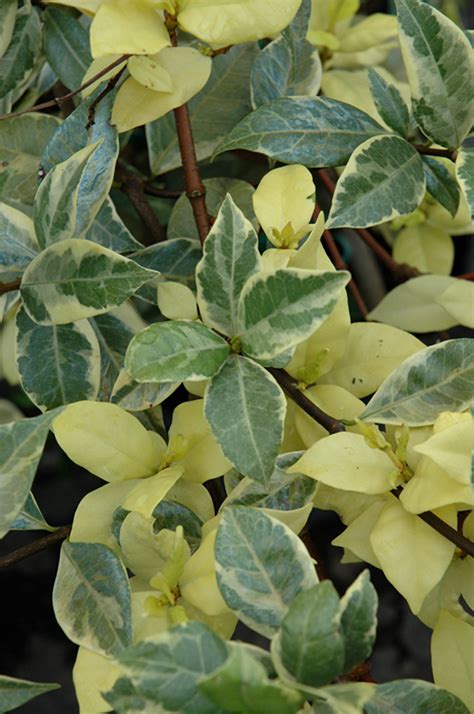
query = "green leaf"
{"x": 58, "y": 364}
{"x": 30, "y": 518}
{"x": 18, "y": 244}
{"x": 66, "y": 46}
{"x": 57, "y": 199}
{"x": 390, "y": 104}
{"x": 175, "y": 259}
{"x": 171, "y": 514}
{"x": 217, "y": 108}
{"x": 413, "y": 305}
{"x": 165, "y": 670}
{"x": 348, "y": 698}
{"x": 125, "y": 699}
{"x": 91, "y": 598}
{"x": 21, "y": 446}
{"x": 245, "y": 409}
{"x": 73, "y": 191}
{"x": 439, "y": 64}
{"x": 15, "y": 692}
{"x": 283, "y": 492}
{"x": 359, "y": 620}
{"x": 441, "y": 184}
{"x": 75, "y": 278}
{"x": 136, "y": 396}
{"x": 242, "y": 685}
{"x": 312, "y": 644}
{"x": 289, "y": 65}
{"x": 383, "y": 179}
{"x": 434, "y": 380}
{"x": 415, "y": 696}
{"x": 174, "y": 351}
{"x": 261, "y": 565}
{"x": 109, "y": 231}
{"x": 279, "y": 309}
{"x": 8, "y": 10}
{"x": 182, "y": 221}
{"x": 114, "y": 337}
{"x": 465, "y": 174}
{"x": 230, "y": 258}
{"x": 311, "y": 131}
{"x": 22, "y": 142}
{"x": 22, "y": 54}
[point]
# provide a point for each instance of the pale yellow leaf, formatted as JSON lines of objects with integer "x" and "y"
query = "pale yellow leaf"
{"x": 451, "y": 446}
{"x": 356, "y": 537}
{"x": 203, "y": 458}
{"x": 221, "y": 23}
{"x": 284, "y": 203}
{"x": 458, "y": 300}
{"x": 106, "y": 440}
{"x": 372, "y": 352}
{"x": 198, "y": 583}
{"x": 92, "y": 674}
{"x": 452, "y": 650}
{"x": 123, "y": 27}
{"x": 136, "y": 105}
{"x": 148, "y": 71}
{"x": 96, "y": 67}
{"x": 176, "y": 301}
{"x": 425, "y": 247}
{"x": 332, "y": 399}
{"x": 413, "y": 556}
{"x": 431, "y": 487}
{"x": 346, "y": 461}
{"x": 148, "y": 493}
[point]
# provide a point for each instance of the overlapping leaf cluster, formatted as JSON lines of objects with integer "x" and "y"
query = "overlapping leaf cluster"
{"x": 100, "y": 326}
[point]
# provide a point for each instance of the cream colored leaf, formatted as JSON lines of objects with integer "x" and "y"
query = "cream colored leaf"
{"x": 346, "y": 461}
{"x": 150, "y": 73}
{"x": 356, "y": 537}
{"x": 132, "y": 28}
{"x": 198, "y": 582}
{"x": 432, "y": 488}
{"x": 106, "y": 440}
{"x": 284, "y": 204}
{"x": 203, "y": 458}
{"x": 451, "y": 446}
{"x": 151, "y": 491}
{"x": 176, "y": 301}
{"x": 372, "y": 352}
{"x": 458, "y": 301}
{"x": 92, "y": 674}
{"x": 452, "y": 646}
{"x": 425, "y": 247}
{"x": 136, "y": 105}
{"x": 221, "y": 23}
{"x": 413, "y": 556}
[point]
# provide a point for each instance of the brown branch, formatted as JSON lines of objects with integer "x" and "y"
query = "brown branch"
{"x": 401, "y": 271}
{"x": 341, "y": 265}
{"x": 111, "y": 84}
{"x": 290, "y": 386}
{"x": 161, "y": 192}
{"x": 466, "y": 276}
{"x": 37, "y": 546}
{"x": 133, "y": 186}
{"x": 9, "y": 287}
{"x": 57, "y": 101}
{"x": 430, "y": 151}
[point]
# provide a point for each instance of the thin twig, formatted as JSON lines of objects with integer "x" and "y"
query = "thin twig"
{"x": 290, "y": 386}
{"x": 430, "y": 151}
{"x": 111, "y": 84}
{"x": 134, "y": 187}
{"x": 340, "y": 264}
{"x": 57, "y": 101}
{"x": 466, "y": 276}
{"x": 9, "y": 287}
{"x": 161, "y": 192}
{"x": 35, "y": 547}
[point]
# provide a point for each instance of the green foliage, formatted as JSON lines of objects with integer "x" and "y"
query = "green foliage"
{"x": 129, "y": 272}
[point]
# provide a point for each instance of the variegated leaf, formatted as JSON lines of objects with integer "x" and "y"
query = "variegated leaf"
{"x": 440, "y": 67}
{"x": 18, "y": 244}
{"x": 383, "y": 179}
{"x": 75, "y": 278}
{"x": 279, "y": 309}
{"x": 230, "y": 258}
{"x": 465, "y": 174}
{"x": 175, "y": 351}
{"x": 58, "y": 364}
